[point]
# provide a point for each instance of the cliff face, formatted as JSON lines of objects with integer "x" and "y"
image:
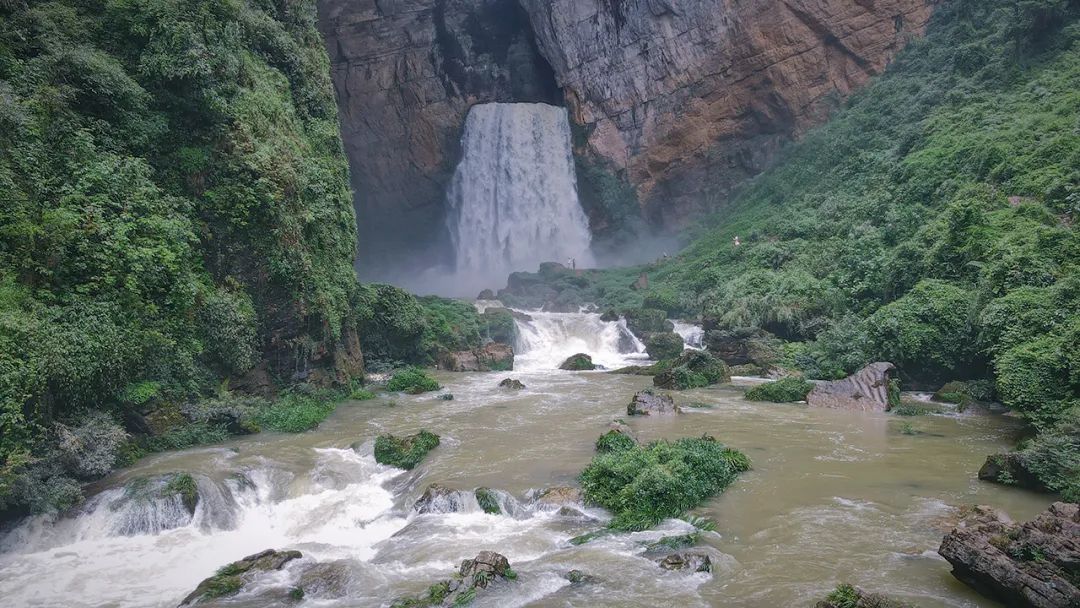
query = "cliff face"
{"x": 682, "y": 99}
{"x": 691, "y": 97}
{"x": 406, "y": 73}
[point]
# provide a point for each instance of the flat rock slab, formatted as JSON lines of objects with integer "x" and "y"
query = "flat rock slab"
{"x": 865, "y": 391}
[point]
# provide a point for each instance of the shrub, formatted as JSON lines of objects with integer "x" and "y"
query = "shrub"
{"x": 644, "y": 485}
{"x": 391, "y": 323}
{"x": 295, "y": 412}
{"x": 404, "y": 452}
{"x": 614, "y": 441}
{"x": 361, "y": 394}
{"x": 1034, "y": 379}
{"x": 412, "y": 380}
{"x": 1054, "y": 457}
{"x": 89, "y": 447}
{"x": 784, "y": 390}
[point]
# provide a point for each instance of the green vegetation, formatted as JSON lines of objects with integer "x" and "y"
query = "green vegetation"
{"x": 183, "y": 485}
{"x": 693, "y": 369}
{"x": 663, "y": 345}
{"x": 644, "y": 485}
{"x": 412, "y": 380}
{"x": 847, "y": 596}
{"x": 785, "y": 390}
{"x": 577, "y": 363}
{"x": 296, "y": 412}
{"x": 614, "y": 441}
{"x": 404, "y": 452}
{"x": 931, "y": 222}
{"x": 488, "y": 501}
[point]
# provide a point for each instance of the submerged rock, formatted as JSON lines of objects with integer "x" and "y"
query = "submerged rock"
{"x": 328, "y": 580}
{"x": 865, "y": 391}
{"x": 648, "y": 403}
{"x": 512, "y": 384}
{"x": 231, "y": 579}
{"x": 577, "y": 577}
{"x": 493, "y": 356}
{"x": 578, "y": 362}
{"x": 559, "y": 496}
{"x": 486, "y": 569}
{"x": 691, "y": 562}
{"x": 438, "y": 498}
{"x": 1035, "y": 564}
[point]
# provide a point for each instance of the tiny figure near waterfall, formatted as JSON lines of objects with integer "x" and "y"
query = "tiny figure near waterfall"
{"x": 736, "y": 242}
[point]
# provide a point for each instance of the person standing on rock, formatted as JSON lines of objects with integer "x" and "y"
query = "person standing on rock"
{"x": 736, "y": 241}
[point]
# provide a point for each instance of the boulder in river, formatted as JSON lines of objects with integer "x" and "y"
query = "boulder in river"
{"x": 493, "y": 356}
{"x": 512, "y": 384}
{"x": 663, "y": 345}
{"x": 1035, "y": 564}
{"x": 644, "y": 321}
{"x": 1011, "y": 469}
{"x": 847, "y": 596}
{"x": 648, "y": 403}
{"x": 693, "y": 369}
{"x": 486, "y": 569}
{"x": 867, "y": 390}
{"x": 231, "y": 579}
{"x": 686, "y": 562}
{"x": 404, "y": 452}
{"x": 438, "y": 498}
{"x": 577, "y": 577}
{"x": 578, "y": 362}
{"x": 559, "y": 496}
{"x": 742, "y": 346}
{"x": 328, "y": 580}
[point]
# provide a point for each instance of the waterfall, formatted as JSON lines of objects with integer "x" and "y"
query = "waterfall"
{"x": 513, "y": 198}
{"x": 693, "y": 335}
{"x": 546, "y": 339}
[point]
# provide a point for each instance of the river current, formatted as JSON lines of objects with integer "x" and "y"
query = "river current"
{"x": 832, "y": 496}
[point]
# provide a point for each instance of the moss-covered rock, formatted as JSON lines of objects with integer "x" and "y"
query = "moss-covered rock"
{"x": 644, "y": 485}
{"x": 663, "y": 345}
{"x": 847, "y": 596}
{"x": 404, "y": 452}
{"x": 693, "y": 369}
{"x": 231, "y": 579}
{"x": 784, "y": 390}
{"x": 486, "y": 569}
{"x": 644, "y": 321}
{"x": 577, "y": 363}
{"x": 412, "y": 380}
{"x": 488, "y": 500}
{"x": 512, "y": 384}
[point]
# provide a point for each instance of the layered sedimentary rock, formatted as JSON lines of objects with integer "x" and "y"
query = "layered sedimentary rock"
{"x": 681, "y": 99}
{"x": 690, "y": 97}
{"x": 867, "y": 390}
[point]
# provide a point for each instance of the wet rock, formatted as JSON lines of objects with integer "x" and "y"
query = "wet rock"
{"x": 438, "y": 498}
{"x": 487, "y": 294}
{"x": 693, "y": 369}
{"x": 673, "y": 543}
{"x": 559, "y": 496}
{"x": 328, "y": 580}
{"x": 156, "y": 503}
{"x": 645, "y": 321}
{"x": 1035, "y": 564}
{"x": 488, "y": 500}
{"x": 648, "y": 403}
{"x": 577, "y": 577}
{"x": 445, "y": 397}
{"x": 743, "y": 346}
{"x": 512, "y": 384}
{"x": 686, "y": 562}
{"x": 232, "y": 578}
{"x": 663, "y": 345}
{"x": 492, "y": 356}
{"x": 486, "y": 569}
{"x": 497, "y": 325}
{"x": 866, "y": 391}
{"x": 404, "y": 452}
{"x": 1011, "y": 469}
{"x": 578, "y": 362}
{"x": 846, "y": 596}
{"x": 609, "y": 316}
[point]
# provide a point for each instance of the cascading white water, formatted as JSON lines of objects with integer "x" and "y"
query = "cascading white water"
{"x": 693, "y": 335}
{"x": 548, "y": 338}
{"x": 513, "y": 199}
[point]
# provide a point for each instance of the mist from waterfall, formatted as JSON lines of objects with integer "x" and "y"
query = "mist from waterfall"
{"x": 513, "y": 199}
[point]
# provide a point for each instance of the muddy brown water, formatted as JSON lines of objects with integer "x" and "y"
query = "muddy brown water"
{"x": 833, "y": 496}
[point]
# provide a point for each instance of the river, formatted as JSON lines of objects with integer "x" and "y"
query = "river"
{"x": 833, "y": 496}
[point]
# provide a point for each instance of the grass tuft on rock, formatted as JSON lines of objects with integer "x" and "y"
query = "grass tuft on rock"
{"x": 412, "y": 380}
{"x": 404, "y": 452}
{"x": 614, "y": 441}
{"x": 784, "y": 390}
{"x": 644, "y": 485}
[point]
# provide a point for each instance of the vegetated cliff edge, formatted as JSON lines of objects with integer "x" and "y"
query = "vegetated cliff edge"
{"x": 681, "y": 100}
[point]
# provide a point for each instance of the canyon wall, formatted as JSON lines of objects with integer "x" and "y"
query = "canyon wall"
{"x": 681, "y": 100}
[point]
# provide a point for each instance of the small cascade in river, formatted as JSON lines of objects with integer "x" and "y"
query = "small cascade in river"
{"x": 693, "y": 335}
{"x": 513, "y": 198}
{"x": 549, "y": 338}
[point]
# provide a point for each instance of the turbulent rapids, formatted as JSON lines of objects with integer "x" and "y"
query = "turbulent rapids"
{"x": 821, "y": 503}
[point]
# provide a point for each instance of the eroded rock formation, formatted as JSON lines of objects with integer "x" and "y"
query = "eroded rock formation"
{"x": 867, "y": 390}
{"x": 679, "y": 100}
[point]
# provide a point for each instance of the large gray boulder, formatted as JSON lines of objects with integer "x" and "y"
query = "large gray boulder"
{"x": 866, "y": 391}
{"x": 1036, "y": 564}
{"x": 649, "y": 403}
{"x": 492, "y": 356}
{"x": 232, "y": 579}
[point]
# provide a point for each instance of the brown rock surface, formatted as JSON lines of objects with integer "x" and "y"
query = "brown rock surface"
{"x": 1034, "y": 564}
{"x": 867, "y": 390}
{"x": 490, "y": 357}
